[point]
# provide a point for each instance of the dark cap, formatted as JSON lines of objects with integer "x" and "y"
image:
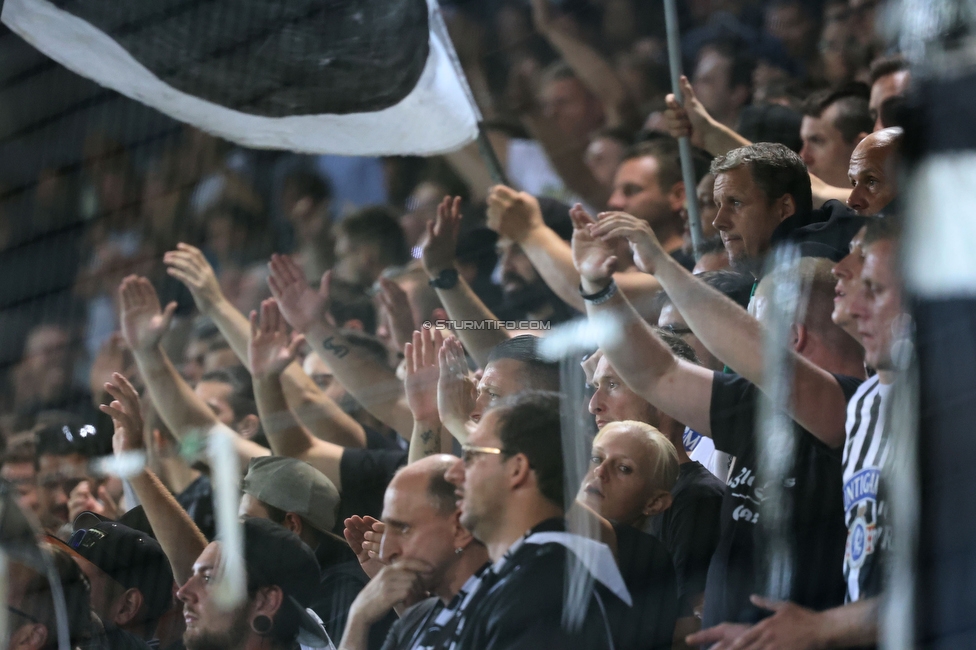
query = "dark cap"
{"x": 130, "y": 557}
{"x": 293, "y": 486}
{"x": 274, "y": 555}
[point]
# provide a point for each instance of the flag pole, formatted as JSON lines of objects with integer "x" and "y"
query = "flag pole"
{"x": 684, "y": 143}
{"x": 485, "y": 148}
{"x": 490, "y": 158}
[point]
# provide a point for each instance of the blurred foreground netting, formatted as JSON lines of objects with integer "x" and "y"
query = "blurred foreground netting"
{"x": 782, "y": 309}
{"x": 26, "y": 567}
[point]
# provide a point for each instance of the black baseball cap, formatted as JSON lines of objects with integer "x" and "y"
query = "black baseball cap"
{"x": 274, "y": 555}
{"x": 130, "y": 557}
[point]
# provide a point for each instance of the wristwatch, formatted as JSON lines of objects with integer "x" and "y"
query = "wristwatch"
{"x": 446, "y": 279}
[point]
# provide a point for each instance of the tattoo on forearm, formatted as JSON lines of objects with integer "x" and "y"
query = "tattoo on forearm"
{"x": 431, "y": 440}
{"x": 336, "y": 348}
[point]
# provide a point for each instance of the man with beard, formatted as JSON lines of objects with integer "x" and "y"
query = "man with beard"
{"x": 282, "y": 578}
{"x": 524, "y": 294}
{"x": 647, "y": 184}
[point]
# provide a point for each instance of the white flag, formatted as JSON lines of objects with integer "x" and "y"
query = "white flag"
{"x": 338, "y": 76}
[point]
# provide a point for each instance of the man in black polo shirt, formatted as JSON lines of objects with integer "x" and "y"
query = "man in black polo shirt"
{"x": 511, "y": 486}
{"x": 723, "y": 406}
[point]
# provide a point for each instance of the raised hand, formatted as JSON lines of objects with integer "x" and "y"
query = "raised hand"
{"x": 643, "y": 242}
{"x": 188, "y": 265}
{"x": 455, "y": 389}
{"x": 367, "y": 551}
{"x": 143, "y": 323}
{"x": 82, "y": 500}
{"x": 442, "y": 235}
{"x": 422, "y": 373}
{"x": 270, "y": 349}
{"x": 126, "y": 414}
{"x": 690, "y": 119}
{"x": 513, "y": 214}
{"x": 593, "y": 258}
{"x": 398, "y": 313}
{"x": 299, "y": 304}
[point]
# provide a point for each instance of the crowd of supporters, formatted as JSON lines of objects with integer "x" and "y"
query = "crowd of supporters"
{"x": 408, "y": 466}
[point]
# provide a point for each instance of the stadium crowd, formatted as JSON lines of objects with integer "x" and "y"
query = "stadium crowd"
{"x": 406, "y": 474}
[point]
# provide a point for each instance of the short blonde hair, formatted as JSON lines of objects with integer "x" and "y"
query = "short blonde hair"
{"x": 665, "y": 466}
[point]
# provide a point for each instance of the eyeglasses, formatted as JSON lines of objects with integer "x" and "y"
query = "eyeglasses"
{"x": 676, "y": 331}
{"x": 469, "y": 452}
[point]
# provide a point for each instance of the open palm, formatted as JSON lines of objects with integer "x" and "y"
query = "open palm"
{"x": 593, "y": 258}
{"x": 301, "y": 306}
{"x": 143, "y": 322}
{"x": 270, "y": 349}
{"x": 422, "y": 373}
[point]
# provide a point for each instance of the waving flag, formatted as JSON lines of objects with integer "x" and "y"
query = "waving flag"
{"x": 317, "y": 76}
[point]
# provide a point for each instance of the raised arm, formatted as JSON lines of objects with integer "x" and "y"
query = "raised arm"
{"x": 590, "y": 67}
{"x": 460, "y": 301}
{"x": 456, "y": 392}
{"x": 422, "y": 372}
{"x": 181, "y": 540}
{"x": 374, "y": 385}
{"x": 517, "y": 216}
{"x": 182, "y": 410}
{"x": 271, "y": 351}
{"x": 567, "y": 155}
{"x": 316, "y": 411}
{"x": 714, "y": 137}
{"x": 681, "y": 389}
{"x": 729, "y": 331}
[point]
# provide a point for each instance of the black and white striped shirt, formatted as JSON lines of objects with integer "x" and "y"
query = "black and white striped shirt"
{"x": 865, "y": 453}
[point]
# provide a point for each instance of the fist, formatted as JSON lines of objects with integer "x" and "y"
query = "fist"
{"x": 513, "y": 214}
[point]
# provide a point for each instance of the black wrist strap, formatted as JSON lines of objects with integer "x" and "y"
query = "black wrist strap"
{"x": 602, "y": 295}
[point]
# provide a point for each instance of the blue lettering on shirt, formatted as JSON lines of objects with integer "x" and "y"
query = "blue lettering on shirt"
{"x": 863, "y": 486}
{"x": 690, "y": 439}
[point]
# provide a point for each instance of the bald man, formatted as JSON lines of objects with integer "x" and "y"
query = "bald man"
{"x": 425, "y": 549}
{"x": 873, "y": 172}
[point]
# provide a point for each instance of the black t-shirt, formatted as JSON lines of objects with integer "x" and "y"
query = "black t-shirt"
{"x": 377, "y": 440}
{"x": 197, "y": 500}
{"x": 824, "y": 232}
{"x": 648, "y": 572}
{"x": 814, "y": 487}
{"x": 364, "y": 474}
{"x": 690, "y": 528}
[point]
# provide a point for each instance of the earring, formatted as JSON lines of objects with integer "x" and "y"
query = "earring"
{"x": 459, "y": 550}
{"x": 261, "y": 624}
